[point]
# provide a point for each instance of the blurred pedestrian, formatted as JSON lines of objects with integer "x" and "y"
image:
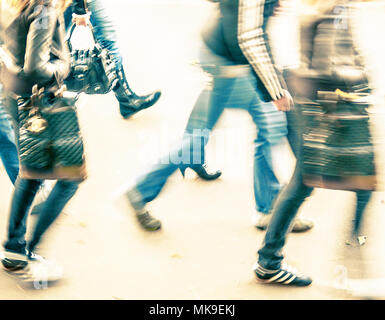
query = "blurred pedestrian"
{"x": 8, "y": 150}
{"x": 236, "y": 54}
{"x": 329, "y": 61}
{"x": 94, "y": 12}
{"x": 272, "y": 135}
{"x": 35, "y": 54}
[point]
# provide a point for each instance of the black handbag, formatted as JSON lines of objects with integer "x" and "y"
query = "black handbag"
{"x": 49, "y": 140}
{"x": 337, "y": 149}
{"x": 332, "y": 92}
{"x": 92, "y": 71}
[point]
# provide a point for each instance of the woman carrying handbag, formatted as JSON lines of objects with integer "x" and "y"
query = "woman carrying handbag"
{"x": 35, "y": 61}
{"x": 328, "y": 130}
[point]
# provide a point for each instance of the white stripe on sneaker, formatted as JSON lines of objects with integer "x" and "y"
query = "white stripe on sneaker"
{"x": 277, "y": 276}
{"x": 290, "y": 280}
{"x": 284, "y": 277}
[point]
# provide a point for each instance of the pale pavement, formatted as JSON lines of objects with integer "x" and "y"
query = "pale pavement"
{"x": 207, "y": 246}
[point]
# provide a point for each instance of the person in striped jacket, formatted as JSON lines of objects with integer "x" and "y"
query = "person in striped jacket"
{"x": 236, "y": 55}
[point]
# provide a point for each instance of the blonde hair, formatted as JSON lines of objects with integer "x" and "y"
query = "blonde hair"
{"x": 19, "y": 5}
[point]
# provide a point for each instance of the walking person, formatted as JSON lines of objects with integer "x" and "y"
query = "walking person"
{"x": 266, "y": 183}
{"x": 329, "y": 61}
{"x": 8, "y": 149}
{"x": 35, "y": 54}
{"x": 84, "y": 12}
{"x": 93, "y": 12}
{"x": 236, "y": 54}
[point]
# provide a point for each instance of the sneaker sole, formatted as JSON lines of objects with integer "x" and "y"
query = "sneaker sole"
{"x": 266, "y": 282}
{"x": 151, "y": 229}
{"x": 292, "y": 230}
{"x": 291, "y": 284}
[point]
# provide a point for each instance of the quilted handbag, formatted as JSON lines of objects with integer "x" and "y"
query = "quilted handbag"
{"x": 50, "y": 142}
{"x": 92, "y": 70}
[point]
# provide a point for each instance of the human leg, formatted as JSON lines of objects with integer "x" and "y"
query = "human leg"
{"x": 8, "y": 150}
{"x": 62, "y": 192}
{"x": 269, "y": 268}
{"x": 23, "y": 195}
{"x": 130, "y": 103}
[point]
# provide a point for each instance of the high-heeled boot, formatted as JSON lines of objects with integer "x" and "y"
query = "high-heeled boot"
{"x": 201, "y": 170}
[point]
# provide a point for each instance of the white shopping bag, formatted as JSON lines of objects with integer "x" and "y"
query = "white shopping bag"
{"x": 82, "y": 38}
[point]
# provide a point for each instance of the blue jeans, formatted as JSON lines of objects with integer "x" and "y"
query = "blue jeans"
{"x": 284, "y": 211}
{"x": 8, "y": 150}
{"x": 25, "y": 191}
{"x": 23, "y": 195}
{"x": 103, "y": 27}
{"x": 293, "y": 196}
{"x": 227, "y": 90}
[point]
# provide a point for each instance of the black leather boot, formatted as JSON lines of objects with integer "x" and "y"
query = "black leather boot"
{"x": 129, "y": 102}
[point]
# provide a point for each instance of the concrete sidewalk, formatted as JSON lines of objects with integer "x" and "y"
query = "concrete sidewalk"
{"x": 207, "y": 246}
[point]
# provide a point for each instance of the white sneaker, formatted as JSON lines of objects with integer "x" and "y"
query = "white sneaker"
{"x": 38, "y": 270}
{"x": 44, "y": 271}
{"x": 261, "y": 221}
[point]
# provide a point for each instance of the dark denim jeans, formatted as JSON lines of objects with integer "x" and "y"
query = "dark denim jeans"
{"x": 24, "y": 193}
{"x": 23, "y": 196}
{"x": 291, "y": 198}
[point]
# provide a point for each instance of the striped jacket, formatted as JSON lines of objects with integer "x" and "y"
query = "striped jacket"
{"x": 239, "y": 34}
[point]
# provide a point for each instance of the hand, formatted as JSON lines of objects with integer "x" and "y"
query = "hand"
{"x": 285, "y": 103}
{"x": 81, "y": 19}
